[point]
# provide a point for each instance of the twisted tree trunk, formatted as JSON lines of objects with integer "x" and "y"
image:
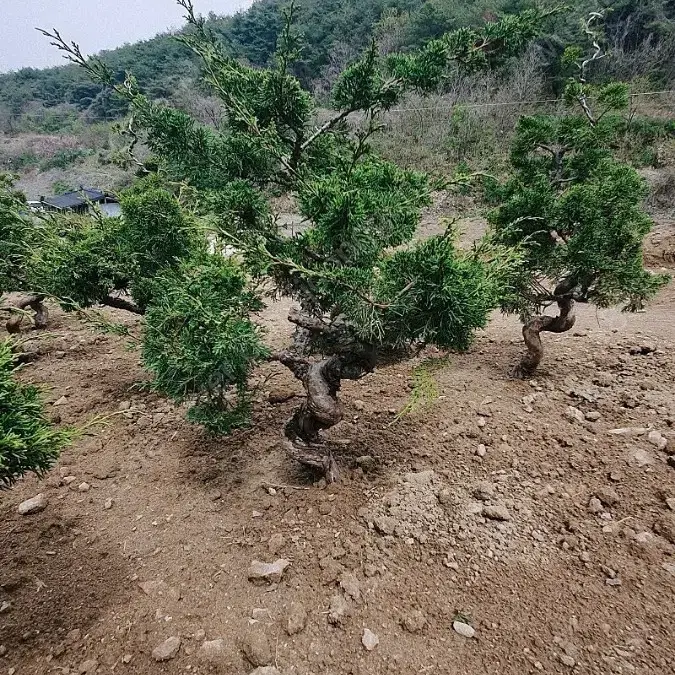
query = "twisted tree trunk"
{"x": 532, "y": 335}
{"x": 36, "y": 303}
{"x": 320, "y": 410}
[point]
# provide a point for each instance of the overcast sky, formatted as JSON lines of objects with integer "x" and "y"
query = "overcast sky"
{"x": 93, "y": 24}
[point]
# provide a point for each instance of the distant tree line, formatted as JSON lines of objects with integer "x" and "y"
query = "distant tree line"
{"x": 332, "y": 29}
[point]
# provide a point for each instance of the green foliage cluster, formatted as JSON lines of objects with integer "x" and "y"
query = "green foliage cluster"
{"x": 28, "y": 442}
{"x": 573, "y": 210}
{"x": 64, "y": 158}
{"x": 200, "y": 342}
{"x": 355, "y": 269}
{"x": 15, "y": 235}
{"x": 82, "y": 261}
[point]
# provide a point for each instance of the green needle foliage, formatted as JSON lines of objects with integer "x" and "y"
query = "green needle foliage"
{"x": 15, "y": 236}
{"x": 199, "y": 342}
{"x": 573, "y": 211}
{"x": 28, "y": 442}
{"x": 363, "y": 286}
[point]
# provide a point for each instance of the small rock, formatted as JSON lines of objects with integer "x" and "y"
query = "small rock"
{"x": 351, "y": 586}
{"x": 5, "y": 607}
{"x": 585, "y": 557}
{"x": 385, "y": 524}
{"x": 108, "y": 504}
{"x": 270, "y": 573}
{"x": 83, "y": 487}
{"x": 481, "y": 450}
{"x": 629, "y": 432}
{"x": 414, "y": 622}
{"x": 280, "y": 396}
{"x": 670, "y": 503}
{"x": 665, "y": 526}
{"x": 266, "y": 670}
{"x": 463, "y": 629}
{"x": 613, "y": 582}
{"x": 592, "y": 416}
{"x": 62, "y": 401}
{"x": 641, "y": 458}
{"x": 338, "y": 610}
{"x": 369, "y": 640}
{"x": 567, "y": 661}
{"x": 167, "y": 650}
{"x": 359, "y": 405}
{"x": 607, "y": 496}
{"x": 445, "y": 496}
{"x": 87, "y": 667}
{"x": 33, "y": 505}
{"x": 256, "y": 648}
{"x": 574, "y": 414}
{"x": 3, "y": 650}
{"x": 212, "y": 651}
{"x": 484, "y": 491}
{"x": 276, "y": 543}
{"x": 496, "y": 512}
{"x": 325, "y": 508}
{"x": 124, "y": 405}
{"x": 657, "y": 440}
{"x": 127, "y": 658}
{"x": 296, "y": 619}
{"x": 261, "y": 614}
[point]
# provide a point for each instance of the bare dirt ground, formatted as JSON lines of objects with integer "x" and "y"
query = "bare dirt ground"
{"x": 516, "y": 507}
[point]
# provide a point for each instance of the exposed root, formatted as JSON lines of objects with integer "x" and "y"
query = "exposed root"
{"x": 36, "y": 303}
{"x": 532, "y": 335}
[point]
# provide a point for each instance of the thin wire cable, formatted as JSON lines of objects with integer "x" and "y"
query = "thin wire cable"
{"x": 508, "y": 103}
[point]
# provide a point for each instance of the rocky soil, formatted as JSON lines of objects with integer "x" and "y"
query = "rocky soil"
{"x": 504, "y": 527}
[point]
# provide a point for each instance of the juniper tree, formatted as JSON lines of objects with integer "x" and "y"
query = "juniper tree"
{"x": 365, "y": 293}
{"x": 573, "y": 210}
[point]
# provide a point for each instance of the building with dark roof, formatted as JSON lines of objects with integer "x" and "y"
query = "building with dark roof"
{"x": 80, "y": 201}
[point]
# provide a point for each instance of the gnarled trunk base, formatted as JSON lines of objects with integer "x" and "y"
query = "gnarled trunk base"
{"x": 36, "y": 303}
{"x": 532, "y": 335}
{"x": 321, "y": 410}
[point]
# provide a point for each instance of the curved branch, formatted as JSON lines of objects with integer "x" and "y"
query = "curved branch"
{"x": 121, "y": 303}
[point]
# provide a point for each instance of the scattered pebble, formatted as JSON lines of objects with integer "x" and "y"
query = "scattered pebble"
{"x": 351, "y": 586}
{"x": 496, "y": 512}
{"x": 257, "y": 649}
{"x": 369, "y": 640}
{"x": 167, "y": 650}
{"x": 212, "y": 651}
{"x": 276, "y": 543}
{"x": 83, "y": 487}
{"x": 62, "y": 401}
{"x": 463, "y": 629}
{"x": 108, "y": 504}
{"x": 271, "y": 573}
{"x": 414, "y": 622}
{"x": 574, "y": 414}
{"x": 33, "y": 505}
{"x": 338, "y": 610}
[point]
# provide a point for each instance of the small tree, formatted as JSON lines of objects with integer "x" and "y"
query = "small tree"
{"x": 575, "y": 213}
{"x": 365, "y": 292}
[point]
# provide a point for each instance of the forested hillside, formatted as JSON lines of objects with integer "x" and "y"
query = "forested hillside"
{"x": 335, "y": 31}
